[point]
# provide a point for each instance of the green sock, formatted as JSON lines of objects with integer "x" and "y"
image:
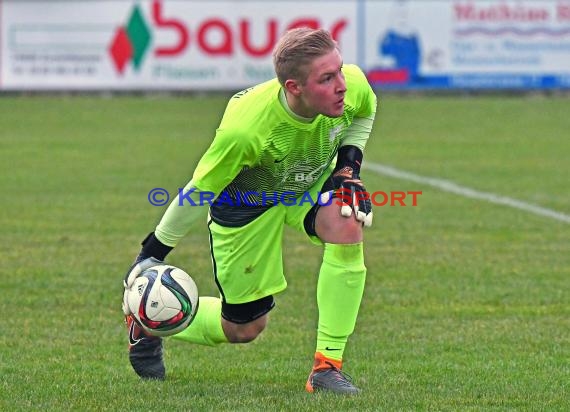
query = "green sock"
{"x": 339, "y": 292}
{"x": 206, "y": 328}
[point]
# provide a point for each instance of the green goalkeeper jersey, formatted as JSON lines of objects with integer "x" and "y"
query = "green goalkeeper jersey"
{"x": 263, "y": 151}
{"x": 260, "y": 148}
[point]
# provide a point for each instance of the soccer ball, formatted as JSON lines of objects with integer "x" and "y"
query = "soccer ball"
{"x": 163, "y": 300}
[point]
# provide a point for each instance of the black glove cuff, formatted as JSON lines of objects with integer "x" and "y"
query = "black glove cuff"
{"x": 350, "y": 156}
{"x": 152, "y": 247}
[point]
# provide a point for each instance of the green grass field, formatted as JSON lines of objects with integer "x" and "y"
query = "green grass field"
{"x": 467, "y": 305}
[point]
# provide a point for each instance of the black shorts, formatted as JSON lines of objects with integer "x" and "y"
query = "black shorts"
{"x": 247, "y": 312}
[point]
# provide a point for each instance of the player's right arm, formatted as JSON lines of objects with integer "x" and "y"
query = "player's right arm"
{"x": 230, "y": 151}
{"x": 228, "y": 154}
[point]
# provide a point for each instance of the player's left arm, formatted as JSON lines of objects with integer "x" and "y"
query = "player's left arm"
{"x": 345, "y": 178}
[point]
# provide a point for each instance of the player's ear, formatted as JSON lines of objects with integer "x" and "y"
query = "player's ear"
{"x": 293, "y": 86}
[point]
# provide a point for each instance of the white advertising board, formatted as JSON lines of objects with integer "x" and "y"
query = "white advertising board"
{"x": 155, "y": 44}
{"x": 226, "y": 45}
{"x": 468, "y": 44}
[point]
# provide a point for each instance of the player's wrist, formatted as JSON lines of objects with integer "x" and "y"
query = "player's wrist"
{"x": 152, "y": 247}
{"x": 351, "y": 157}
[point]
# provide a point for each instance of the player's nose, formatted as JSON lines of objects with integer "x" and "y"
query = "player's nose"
{"x": 340, "y": 84}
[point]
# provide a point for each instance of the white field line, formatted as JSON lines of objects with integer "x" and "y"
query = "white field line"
{"x": 451, "y": 187}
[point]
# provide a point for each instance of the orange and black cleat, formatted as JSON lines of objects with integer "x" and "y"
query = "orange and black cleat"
{"x": 327, "y": 376}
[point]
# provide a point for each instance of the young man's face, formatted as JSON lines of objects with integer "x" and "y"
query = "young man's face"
{"x": 323, "y": 92}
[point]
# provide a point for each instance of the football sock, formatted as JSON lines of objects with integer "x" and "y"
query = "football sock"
{"x": 339, "y": 292}
{"x": 206, "y": 328}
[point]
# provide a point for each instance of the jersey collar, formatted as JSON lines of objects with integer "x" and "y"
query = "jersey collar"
{"x": 285, "y": 105}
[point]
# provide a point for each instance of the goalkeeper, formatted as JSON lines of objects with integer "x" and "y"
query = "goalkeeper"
{"x": 279, "y": 137}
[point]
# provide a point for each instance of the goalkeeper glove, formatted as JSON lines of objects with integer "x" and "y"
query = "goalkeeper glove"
{"x": 152, "y": 254}
{"x": 345, "y": 184}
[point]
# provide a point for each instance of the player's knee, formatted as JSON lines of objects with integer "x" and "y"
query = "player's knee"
{"x": 244, "y": 333}
{"x": 331, "y": 227}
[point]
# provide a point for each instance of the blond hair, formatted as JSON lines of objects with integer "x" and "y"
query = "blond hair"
{"x": 297, "y": 49}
